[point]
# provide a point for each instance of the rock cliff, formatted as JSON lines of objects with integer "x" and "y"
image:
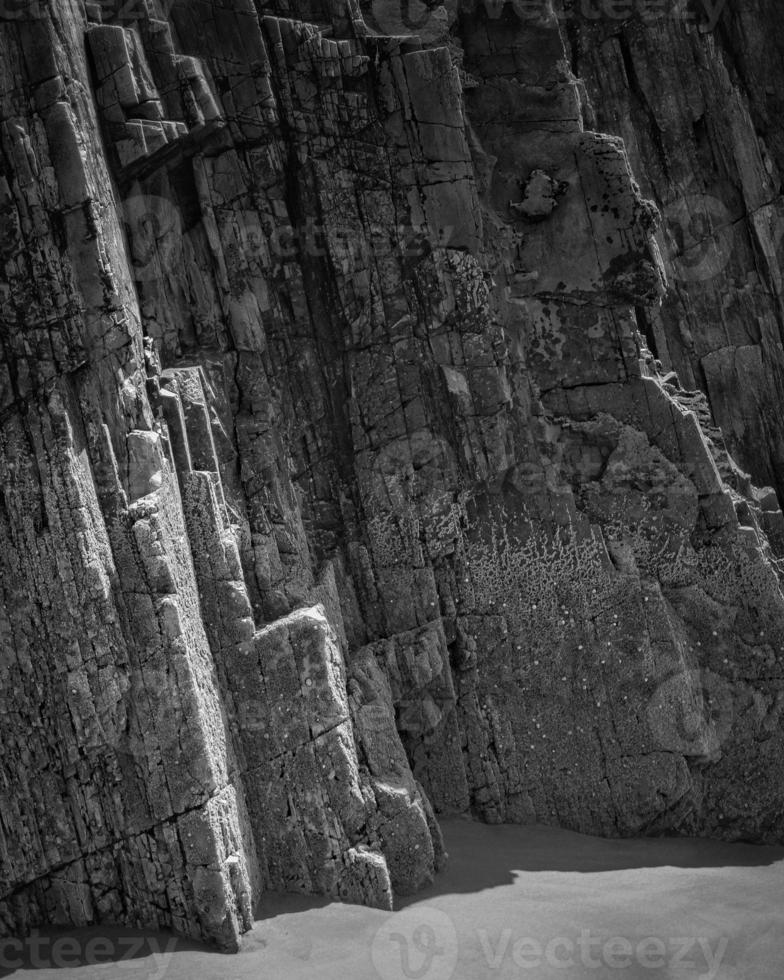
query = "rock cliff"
{"x": 390, "y": 425}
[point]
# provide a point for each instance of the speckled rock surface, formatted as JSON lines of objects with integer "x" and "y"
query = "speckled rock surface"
{"x": 380, "y": 437}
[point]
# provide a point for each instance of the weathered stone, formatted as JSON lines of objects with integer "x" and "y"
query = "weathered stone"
{"x": 368, "y": 447}
{"x": 144, "y": 463}
{"x": 540, "y": 196}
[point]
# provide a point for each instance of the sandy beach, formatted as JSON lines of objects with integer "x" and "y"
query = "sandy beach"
{"x": 513, "y": 902}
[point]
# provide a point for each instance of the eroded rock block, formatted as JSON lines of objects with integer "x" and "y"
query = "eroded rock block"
{"x": 430, "y": 525}
{"x": 540, "y": 196}
{"x": 145, "y": 463}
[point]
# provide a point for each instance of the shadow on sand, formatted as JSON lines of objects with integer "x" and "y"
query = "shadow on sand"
{"x": 483, "y": 856}
{"x": 480, "y": 857}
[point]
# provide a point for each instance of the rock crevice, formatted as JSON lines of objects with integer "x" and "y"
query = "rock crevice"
{"x": 374, "y": 446}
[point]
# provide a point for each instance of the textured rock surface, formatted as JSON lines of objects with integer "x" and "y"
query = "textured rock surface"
{"x": 370, "y": 449}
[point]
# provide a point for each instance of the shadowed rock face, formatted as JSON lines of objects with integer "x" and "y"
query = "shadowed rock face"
{"x": 360, "y": 448}
{"x": 698, "y": 105}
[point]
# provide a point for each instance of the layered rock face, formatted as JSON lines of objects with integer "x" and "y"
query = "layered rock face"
{"x": 370, "y": 447}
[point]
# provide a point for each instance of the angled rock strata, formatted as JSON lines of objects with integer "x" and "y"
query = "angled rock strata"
{"x": 373, "y": 447}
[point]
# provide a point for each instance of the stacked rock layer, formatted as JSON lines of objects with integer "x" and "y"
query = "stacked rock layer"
{"x": 371, "y": 448}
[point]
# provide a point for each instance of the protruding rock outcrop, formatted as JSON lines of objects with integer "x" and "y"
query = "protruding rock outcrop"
{"x": 367, "y": 454}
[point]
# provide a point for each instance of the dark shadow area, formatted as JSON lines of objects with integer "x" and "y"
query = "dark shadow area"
{"x": 481, "y": 857}
{"x": 283, "y": 903}
{"x": 486, "y": 856}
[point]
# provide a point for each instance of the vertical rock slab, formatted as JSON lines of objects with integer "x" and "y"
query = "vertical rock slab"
{"x": 355, "y": 466}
